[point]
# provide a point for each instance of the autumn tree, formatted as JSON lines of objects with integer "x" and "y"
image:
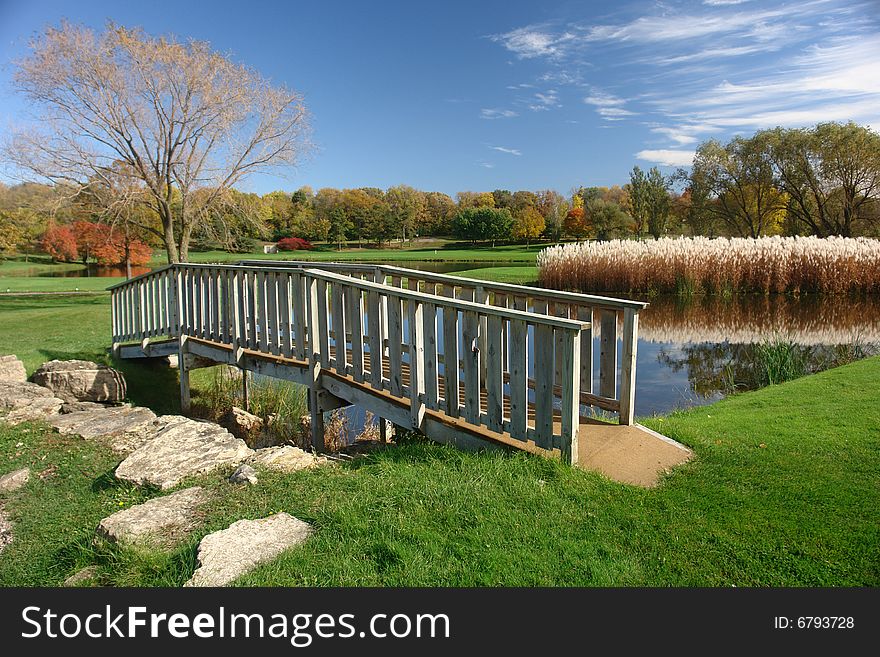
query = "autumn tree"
{"x": 407, "y": 208}
{"x": 735, "y": 181}
{"x": 475, "y": 200}
{"x": 553, "y": 206}
{"x": 830, "y": 173}
{"x": 576, "y": 224}
{"x": 439, "y": 210}
{"x": 528, "y": 225}
{"x": 60, "y": 243}
{"x": 187, "y": 123}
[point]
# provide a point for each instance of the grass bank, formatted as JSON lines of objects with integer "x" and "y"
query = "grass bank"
{"x": 783, "y": 493}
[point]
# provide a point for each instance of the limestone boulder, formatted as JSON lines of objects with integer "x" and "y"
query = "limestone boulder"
{"x": 286, "y": 459}
{"x": 12, "y": 369}
{"x": 42, "y": 408}
{"x": 81, "y": 380}
{"x": 161, "y": 522}
{"x": 249, "y": 427}
{"x": 181, "y": 449}
{"x": 12, "y": 481}
{"x": 124, "y": 428}
{"x": 226, "y": 555}
{"x": 20, "y": 395}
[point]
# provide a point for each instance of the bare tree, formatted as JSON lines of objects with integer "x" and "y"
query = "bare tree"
{"x": 185, "y": 123}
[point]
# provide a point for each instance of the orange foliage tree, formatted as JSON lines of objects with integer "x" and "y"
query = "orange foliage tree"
{"x": 60, "y": 243}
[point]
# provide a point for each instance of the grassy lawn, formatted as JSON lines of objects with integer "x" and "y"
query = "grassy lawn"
{"x": 518, "y": 275}
{"x": 783, "y": 493}
{"x": 439, "y": 250}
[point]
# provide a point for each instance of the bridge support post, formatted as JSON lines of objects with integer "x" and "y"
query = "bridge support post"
{"x": 316, "y": 422}
{"x": 183, "y": 367}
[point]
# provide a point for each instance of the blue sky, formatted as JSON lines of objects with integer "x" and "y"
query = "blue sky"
{"x": 453, "y": 96}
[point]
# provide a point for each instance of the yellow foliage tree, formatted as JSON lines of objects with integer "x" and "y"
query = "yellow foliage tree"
{"x": 528, "y": 224}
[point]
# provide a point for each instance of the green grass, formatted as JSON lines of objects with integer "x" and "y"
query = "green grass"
{"x": 56, "y": 284}
{"x": 783, "y": 492}
{"x": 19, "y": 265}
{"x": 521, "y": 275}
{"x": 441, "y": 251}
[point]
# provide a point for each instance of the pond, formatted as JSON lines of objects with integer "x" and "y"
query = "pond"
{"x": 694, "y": 352}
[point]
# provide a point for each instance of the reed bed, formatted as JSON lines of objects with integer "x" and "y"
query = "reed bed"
{"x": 687, "y": 265}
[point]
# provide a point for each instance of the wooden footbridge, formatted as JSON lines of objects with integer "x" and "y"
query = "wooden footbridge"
{"x": 463, "y": 361}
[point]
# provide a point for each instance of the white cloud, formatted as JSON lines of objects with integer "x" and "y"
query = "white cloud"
{"x": 667, "y": 157}
{"x": 724, "y": 3}
{"x": 544, "y": 101}
{"x": 497, "y": 114}
{"x": 531, "y": 41}
{"x": 486, "y": 165}
{"x": 510, "y": 151}
{"x": 602, "y": 99}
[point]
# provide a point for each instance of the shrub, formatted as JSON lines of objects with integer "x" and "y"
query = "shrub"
{"x": 294, "y": 244}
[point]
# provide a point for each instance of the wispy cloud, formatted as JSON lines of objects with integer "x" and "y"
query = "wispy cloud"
{"x": 690, "y": 70}
{"x": 533, "y": 41}
{"x": 497, "y": 114}
{"x": 608, "y": 106}
{"x": 502, "y": 149}
{"x": 544, "y": 101}
{"x": 667, "y": 157}
{"x": 486, "y": 165}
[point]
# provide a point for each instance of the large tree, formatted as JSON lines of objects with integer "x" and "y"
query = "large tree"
{"x": 831, "y": 174}
{"x": 186, "y": 122}
{"x": 735, "y": 181}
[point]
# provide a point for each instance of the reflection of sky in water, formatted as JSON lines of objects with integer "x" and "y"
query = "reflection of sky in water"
{"x": 659, "y": 389}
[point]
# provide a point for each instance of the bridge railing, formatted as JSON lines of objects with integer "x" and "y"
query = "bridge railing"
{"x": 507, "y": 370}
{"x": 609, "y": 339}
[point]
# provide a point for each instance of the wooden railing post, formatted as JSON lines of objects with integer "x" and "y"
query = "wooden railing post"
{"x": 628, "y": 366}
{"x": 570, "y": 381}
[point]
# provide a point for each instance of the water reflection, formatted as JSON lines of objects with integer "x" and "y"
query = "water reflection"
{"x": 695, "y": 352}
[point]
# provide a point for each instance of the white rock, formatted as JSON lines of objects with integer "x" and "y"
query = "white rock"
{"x": 18, "y": 394}
{"x": 244, "y": 474}
{"x": 81, "y": 380}
{"x": 286, "y": 459}
{"x": 124, "y": 428}
{"x": 181, "y": 449}
{"x": 226, "y": 555}
{"x": 160, "y": 522}
{"x": 42, "y": 408}
{"x": 14, "y": 480}
{"x": 12, "y": 369}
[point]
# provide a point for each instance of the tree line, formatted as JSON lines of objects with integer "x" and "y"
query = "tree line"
{"x": 821, "y": 181}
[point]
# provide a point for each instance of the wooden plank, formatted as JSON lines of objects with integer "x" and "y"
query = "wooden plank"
{"x": 416, "y": 363}
{"x": 628, "y": 366}
{"x": 608, "y": 355}
{"x": 251, "y": 306}
{"x": 518, "y": 378}
{"x": 482, "y": 296}
{"x": 570, "y": 407}
{"x": 299, "y": 315}
{"x": 355, "y": 315}
{"x": 494, "y": 372}
{"x": 471, "y": 365}
{"x": 337, "y": 298}
{"x": 395, "y": 338}
{"x": 323, "y": 334}
{"x": 374, "y": 314}
{"x": 450, "y": 357}
{"x": 238, "y": 315}
{"x": 284, "y": 320}
{"x": 586, "y": 314}
{"x": 262, "y": 319}
{"x": 272, "y": 322}
{"x": 543, "y": 375}
{"x": 223, "y": 275}
{"x": 432, "y": 376}
{"x": 214, "y": 277}
{"x": 558, "y": 309}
